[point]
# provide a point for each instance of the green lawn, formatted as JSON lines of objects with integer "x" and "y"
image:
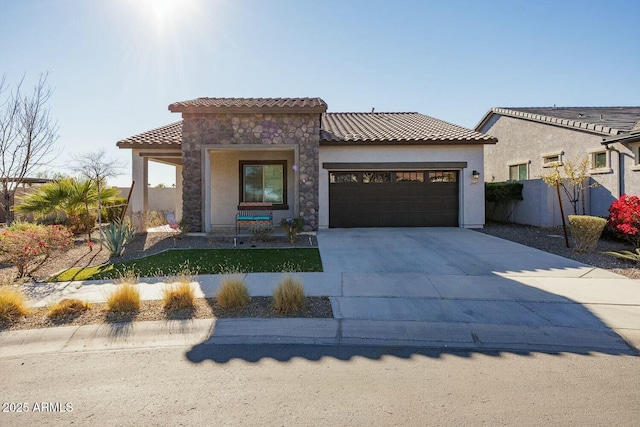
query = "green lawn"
{"x": 203, "y": 261}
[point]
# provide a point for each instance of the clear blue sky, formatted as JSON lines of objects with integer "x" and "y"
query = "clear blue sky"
{"x": 116, "y": 65}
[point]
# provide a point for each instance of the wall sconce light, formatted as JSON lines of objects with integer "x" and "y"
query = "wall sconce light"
{"x": 476, "y": 174}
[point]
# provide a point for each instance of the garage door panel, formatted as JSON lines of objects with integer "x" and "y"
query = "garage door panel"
{"x": 393, "y": 199}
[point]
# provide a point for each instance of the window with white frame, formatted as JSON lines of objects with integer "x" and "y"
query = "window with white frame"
{"x": 519, "y": 172}
{"x": 599, "y": 161}
{"x": 552, "y": 159}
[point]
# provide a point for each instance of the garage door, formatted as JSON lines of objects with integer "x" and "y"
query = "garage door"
{"x": 393, "y": 199}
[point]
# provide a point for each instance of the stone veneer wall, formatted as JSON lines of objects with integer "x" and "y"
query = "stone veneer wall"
{"x": 252, "y": 128}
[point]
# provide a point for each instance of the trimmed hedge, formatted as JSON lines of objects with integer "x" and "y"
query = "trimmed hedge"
{"x": 503, "y": 192}
{"x": 586, "y": 231}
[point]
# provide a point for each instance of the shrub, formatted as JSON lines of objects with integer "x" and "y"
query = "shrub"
{"x": 27, "y": 246}
{"x": 125, "y": 299}
{"x": 12, "y": 304}
{"x": 586, "y": 231}
{"x": 179, "y": 297}
{"x": 261, "y": 233}
{"x": 112, "y": 209}
{"x": 68, "y": 308}
{"x": 624, "y": 219}
{"x": 233, "y": 293}
{"x": 289, "y": 296}
{"x": 631, "y": 256}
{"x": 82, "y": 223}
{"x": 116, "y": 236}
{"x": 503, "y": 192}
{"x": 292, "y": 226}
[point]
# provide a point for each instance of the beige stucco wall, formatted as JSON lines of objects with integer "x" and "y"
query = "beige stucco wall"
{"x": 160, "y": 199}
{"x": 523, "y": 141}
{"x": 225, "y": 183}
{"x": 471, "y": 191}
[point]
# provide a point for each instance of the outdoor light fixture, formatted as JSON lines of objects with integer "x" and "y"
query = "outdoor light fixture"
{"x": 476, "y": 174}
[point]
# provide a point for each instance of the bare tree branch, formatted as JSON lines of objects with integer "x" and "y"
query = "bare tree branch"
{"x": 98, "y": 167}
{"x": 27, "y": 135}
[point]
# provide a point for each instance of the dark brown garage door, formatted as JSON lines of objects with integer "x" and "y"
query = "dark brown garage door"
{"x": 393, "y": 199}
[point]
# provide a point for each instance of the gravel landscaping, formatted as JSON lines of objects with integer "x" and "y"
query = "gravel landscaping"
{"x": 552, "y": 240}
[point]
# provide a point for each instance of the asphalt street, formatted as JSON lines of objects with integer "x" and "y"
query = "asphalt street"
{"x": 287, "y": 385}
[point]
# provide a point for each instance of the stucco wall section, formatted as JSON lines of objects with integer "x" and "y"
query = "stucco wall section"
{"x": 225, "y": 184}
{"x": 200, "y": 130}
{"x": 522, "y": 141}
{"x": 471, "y": 191}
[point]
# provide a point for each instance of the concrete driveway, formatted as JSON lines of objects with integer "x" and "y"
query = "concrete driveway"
{"x": 467, "y": 288}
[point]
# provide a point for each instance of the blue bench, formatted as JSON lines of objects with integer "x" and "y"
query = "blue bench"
{"x": 254, "y": 213}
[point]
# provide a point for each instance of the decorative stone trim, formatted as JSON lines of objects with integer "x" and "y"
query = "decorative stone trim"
{"x": 258, "y": 129}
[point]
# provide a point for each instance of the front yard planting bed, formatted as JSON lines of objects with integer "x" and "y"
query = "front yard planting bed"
{"x": 202, "y": 261}
{"x": 205, "y": 308}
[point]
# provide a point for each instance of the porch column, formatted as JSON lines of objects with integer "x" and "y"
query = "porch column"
{"x": 140, "y": 194}
{"x": 178, "y": 193}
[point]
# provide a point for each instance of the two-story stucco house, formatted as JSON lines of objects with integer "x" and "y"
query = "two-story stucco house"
{"x": 534, "y": 139}
{"x": 331, "y": 169}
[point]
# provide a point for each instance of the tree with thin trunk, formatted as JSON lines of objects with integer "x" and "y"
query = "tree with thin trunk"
{"x": 97, "y": 167}
{"x": 27, "y": 135}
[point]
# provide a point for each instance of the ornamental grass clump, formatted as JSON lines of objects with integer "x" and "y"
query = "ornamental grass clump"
{"x": 125, "y": 299}
{"x": 233, "y": 293}
{"x": 179, "y": 297}
{"x": 586, "y": 231}
{"x": 12, "y": 304}
{"x": 289, "y": 296}
{"x": 68, "y": 308}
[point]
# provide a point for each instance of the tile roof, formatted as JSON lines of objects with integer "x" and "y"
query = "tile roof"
{"x": 346, "y": 129}
{"x": 169, "y": 136}
{"x": 241, "y": 104}
{"x": 599, "y": 120}
{"x": 356, "y": 128}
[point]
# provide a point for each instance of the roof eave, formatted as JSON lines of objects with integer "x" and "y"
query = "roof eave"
{"x": 484, "y": 120}
{"x": 631, "y": 137}
{"x": 350, "y": 143}
{"x": 553, "y": 121}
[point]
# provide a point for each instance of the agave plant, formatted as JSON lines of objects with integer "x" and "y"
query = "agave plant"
{"x": 626, "y": 255}
{"x": 116, "y": 236}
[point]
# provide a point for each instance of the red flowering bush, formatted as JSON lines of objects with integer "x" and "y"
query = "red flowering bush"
{"x": 624, "y": 218}
{"x": 27, "y": 246}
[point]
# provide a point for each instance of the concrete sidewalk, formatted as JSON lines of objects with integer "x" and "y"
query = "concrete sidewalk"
{"x": 445, "y": 288}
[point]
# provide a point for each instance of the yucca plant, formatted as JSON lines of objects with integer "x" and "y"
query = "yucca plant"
{"x": 116, "y": 236}
{"x": 631, "y": 256}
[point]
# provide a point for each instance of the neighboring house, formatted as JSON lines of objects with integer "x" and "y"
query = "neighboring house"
{"x": 534, "y": 139}
{"x": 26, "y": 187}
{"x": 331, "y": 169}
